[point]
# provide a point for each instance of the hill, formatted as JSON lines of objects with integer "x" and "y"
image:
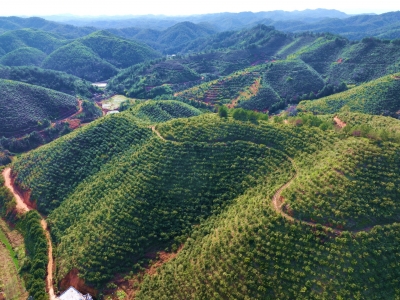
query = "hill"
{"x": 221, "y": 21}
{"x": 95, "y": 57}
{"x": 385, "y": 26}
{"x": 24, "y": 56}
{"x": 65, "y": 30}
{"x": 377, "y": 97}
{"x": 41, "y": 40}
{"x": 207, "y": 186}
{"x": 26, "y": 107}
{"x": 290, "y": 68}
{"x": 151, "y": 112}
{"x": 81, "y": 61}
{"x": 172, "y": 37}
{"x": 50, "y": 79}
{"x": 119, "y": 52}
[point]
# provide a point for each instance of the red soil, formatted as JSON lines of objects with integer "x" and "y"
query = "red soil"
{"x": 339, "y": 122}
{"x": 24, "y": 205}
{"x": 72, "y": 279}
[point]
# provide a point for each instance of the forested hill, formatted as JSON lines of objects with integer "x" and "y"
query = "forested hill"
{"x": 353, "y": 27}
{"x": 208, "y": 185}
{"x": 50, "y": 79}
{"x": 67, "y": 31}
{"x": 25, "y": 108}
{"x": 378, "y": 97}
{"x": 169, "y": 40}
{"x": 385, "y": 26}
{"x": 262, "y": 68}
{"x": 97, "y": 56}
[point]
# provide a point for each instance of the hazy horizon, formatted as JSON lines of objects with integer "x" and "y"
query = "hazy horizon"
{"x": 101, "y": 8}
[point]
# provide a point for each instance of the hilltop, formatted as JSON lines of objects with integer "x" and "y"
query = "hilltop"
{"x": 50, "y": 79}
{"x": 261, "y": 69}
{"x": 170, "y": 186}
{"x": 97, "y": 56}
{"x": 25, "y": 108}
{"x": 377, "y": 97}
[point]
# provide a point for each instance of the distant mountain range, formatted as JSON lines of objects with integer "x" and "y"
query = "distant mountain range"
{"x": 221, "y": 21}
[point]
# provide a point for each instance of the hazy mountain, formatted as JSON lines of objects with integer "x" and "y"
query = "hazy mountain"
{"x": 222, "y": 21}
{"x": 357, "y": 27}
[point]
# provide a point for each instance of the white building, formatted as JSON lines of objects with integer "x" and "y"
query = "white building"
{"x": 73, "y": 294}
{"x": 113, "y": 112}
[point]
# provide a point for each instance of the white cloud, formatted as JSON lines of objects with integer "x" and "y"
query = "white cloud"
{"x": 182, "y": 7}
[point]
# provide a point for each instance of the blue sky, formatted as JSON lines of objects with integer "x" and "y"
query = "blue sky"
{"x": 183, "y": 7}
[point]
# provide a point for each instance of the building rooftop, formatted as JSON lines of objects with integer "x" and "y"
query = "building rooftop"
{"x": 73, "y": 294}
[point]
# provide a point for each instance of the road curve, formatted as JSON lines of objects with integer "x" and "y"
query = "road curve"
{"x": 23, "y": 207}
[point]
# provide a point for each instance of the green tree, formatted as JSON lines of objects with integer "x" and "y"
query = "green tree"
{"x": 223, "y": 111}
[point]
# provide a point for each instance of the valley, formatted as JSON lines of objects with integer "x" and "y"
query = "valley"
{"x": 200, "y": 157}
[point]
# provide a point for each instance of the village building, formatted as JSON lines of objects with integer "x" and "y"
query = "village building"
{"x": 113, "y": 112}
{"x": 73, "y": 294}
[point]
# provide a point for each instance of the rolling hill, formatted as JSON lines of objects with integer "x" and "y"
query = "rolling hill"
{"x": 24, "y": 56}
{"x": 65, "y": 30}
{"x": 97, "y": 56}
{"x": 169, "y": 40}
{"x": 81, "y": 61}
{"x": 119, "y": 52}
{"x": 291, "y": 68}
{"x": 25, "y": 108}
{"x": 173, "y": 188}
{"x": 50, "y": 79}
{"x": 41, "y": 40}
{"x": 377, "y": 97}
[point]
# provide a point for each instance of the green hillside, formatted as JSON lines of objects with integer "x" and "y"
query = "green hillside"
{"x": 24, "y": 56}
{"x": 169, "y": 40}
{"x": 221, "y": 175}
{"x": 25, "y": 107}
{"x": 94, "y": 57}
{"x": 377, "y": 97}
{"x": 119, "y": 52}
{"x": 262, "y": 87}
{"x": 50, "y": 79}
{"x": 376, "y": 122}
{"x": 81, "y": 61}
{"x": 352, "y": 186}
{"x": 223, "y": 91}
{"x": 41, "y": 40}
{"x": 151, "y": 112}
{"x": 298, "y": 67}
{"x": 65, "y": 30}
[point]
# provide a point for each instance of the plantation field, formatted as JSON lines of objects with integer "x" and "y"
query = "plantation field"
{"x": 25, "y": 107}
{"x": 205, "y": 184}
{"x": 377, "y": 97}
{"x": 151, "y": 112}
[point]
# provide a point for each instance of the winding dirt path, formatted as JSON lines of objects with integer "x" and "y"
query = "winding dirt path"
{"x": 277, "y": 201}
{"x": 156, "y": 132}
{"x": 24, "y": 207}
{"x": 339, "y": 122}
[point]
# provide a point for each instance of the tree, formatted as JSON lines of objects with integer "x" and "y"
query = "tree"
{"x": 223, "y": 111}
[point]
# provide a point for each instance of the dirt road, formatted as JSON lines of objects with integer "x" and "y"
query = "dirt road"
{"x": 24, "y": 207}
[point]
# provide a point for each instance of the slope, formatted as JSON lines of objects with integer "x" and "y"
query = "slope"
{"x": 119, "y": 52}
{"x": 151, "y": 112}
{"x": 377, "y": 97}
{"x": 50, "y": 79}
{"x": 25, "y": 107}
{"x": 41, "y": 40}
{"x": 81, "y": 61}
{"x": 65, "y": 30}
{"x": 24, "y": 56}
